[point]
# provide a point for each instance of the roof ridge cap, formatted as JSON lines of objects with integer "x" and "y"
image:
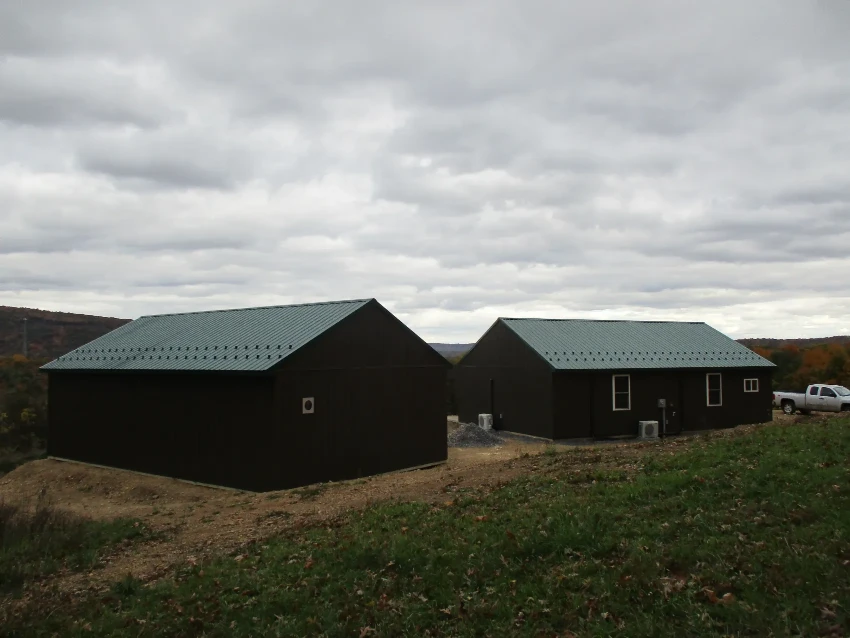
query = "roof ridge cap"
{"x": 692, "y": 323}
{"x": 293, "y": 305}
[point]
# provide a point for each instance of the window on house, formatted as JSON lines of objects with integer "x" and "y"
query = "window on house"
{"x": 621, "y": 388}
{"x": 751, "y": 385}
{"x": 713, "y": 389}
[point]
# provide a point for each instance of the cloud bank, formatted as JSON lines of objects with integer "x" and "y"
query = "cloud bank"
{"x": 666, "y": 160}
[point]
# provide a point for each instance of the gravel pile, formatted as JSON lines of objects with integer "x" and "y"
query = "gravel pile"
{"x": 470, "y": 435}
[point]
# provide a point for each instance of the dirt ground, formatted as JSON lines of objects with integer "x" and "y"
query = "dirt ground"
{"x": 194, "y": 522}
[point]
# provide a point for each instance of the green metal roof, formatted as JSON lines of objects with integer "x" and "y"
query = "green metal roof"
{"x": 579, "y": 344}
{"x": 243, "y": 340}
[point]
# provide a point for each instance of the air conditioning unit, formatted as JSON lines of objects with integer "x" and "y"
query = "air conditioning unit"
{"x": 485, "y": 421}
{"x": 647, "y": 429}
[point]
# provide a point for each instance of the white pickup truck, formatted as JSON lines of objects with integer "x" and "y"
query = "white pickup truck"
{"x": 817, "y": 398}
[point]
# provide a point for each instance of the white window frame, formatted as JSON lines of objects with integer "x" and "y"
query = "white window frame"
{"x": 708, "y": 393}
{"x": 614, "y": 392}
{"x": 753, "y": 385}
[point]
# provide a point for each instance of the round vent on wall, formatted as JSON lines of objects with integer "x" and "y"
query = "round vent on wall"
{"x": 649, "y": 430}
{"x": 308, "y": 405}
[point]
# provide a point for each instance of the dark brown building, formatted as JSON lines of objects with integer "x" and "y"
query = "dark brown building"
{"x": 563, "y": 379}
{"x": 257, "y": 398}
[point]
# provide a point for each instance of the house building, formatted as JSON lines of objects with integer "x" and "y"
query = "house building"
{"x": 257, "y": 398}
{"x": 563, "y": 379}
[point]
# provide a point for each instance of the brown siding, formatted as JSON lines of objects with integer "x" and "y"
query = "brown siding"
{"x": 738, "y": 407}
{"x": 522, "y": 383}
{"x": 583, "y": 402}
{"x": 366, "y": 421}
{"x": 208, "y": 428}
{"x": 379, "y": 395}
{"x": 573, "y": 396}
{"x": 685, "y": 393}
{"x": 371, "y": 337}
{"x": 647, "y": 387}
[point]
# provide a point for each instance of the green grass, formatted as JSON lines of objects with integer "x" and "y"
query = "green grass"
{"x": 38, "y": 540}
{"x": 652, "y": 549}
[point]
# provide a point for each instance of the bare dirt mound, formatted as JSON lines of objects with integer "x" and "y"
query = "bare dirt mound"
{"x": 193, "y": 521}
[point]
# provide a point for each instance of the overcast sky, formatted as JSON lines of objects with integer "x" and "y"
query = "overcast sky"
{"x": 457, "y": 161}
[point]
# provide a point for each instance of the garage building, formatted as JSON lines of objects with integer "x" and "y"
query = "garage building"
{"x": 257, "y": 398}
{"x": 564, "y": 379}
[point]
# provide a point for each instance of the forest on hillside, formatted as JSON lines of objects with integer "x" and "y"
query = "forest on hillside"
{"x": 49, "y": 334}
{"x": 797, "y": 367}
{"x": 23, "y": 409}
{"x": 44, "y": 335}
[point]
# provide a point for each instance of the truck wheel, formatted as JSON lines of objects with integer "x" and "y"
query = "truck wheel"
{"x": 845, "y": 407}
{"x": 788, "y": 407}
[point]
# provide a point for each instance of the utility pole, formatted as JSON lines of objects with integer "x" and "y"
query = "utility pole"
{"x": 26, "y": 340}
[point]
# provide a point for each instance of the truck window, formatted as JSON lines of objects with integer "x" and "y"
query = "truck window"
{"x": 827, "y": 392}
{"x": 842, "y": 391}
{"x": 813, "y": 390}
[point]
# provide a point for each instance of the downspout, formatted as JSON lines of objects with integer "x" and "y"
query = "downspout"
{"x": 593, "y": 380}
{"x": 493, "y": 398}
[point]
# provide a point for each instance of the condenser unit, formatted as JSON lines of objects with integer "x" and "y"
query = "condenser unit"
{"x": 485, "y": 421}
{"x": 647, "y": 429}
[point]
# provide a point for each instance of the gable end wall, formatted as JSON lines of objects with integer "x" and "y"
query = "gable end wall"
{"x": 522, "y": 383}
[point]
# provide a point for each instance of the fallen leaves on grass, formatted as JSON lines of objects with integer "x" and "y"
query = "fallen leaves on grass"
{"x": 669, "y": 585}
{"x": 726, "y": 599}
{"x": 827, "y": 614}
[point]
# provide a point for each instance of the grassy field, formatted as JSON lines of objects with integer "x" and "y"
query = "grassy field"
{"x": 742, "y": 534}
{"x": 38, "y": 539}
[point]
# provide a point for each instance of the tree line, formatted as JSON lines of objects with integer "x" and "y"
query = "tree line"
{"x": 23, "y": 405}
{"x": 797, "y": 367}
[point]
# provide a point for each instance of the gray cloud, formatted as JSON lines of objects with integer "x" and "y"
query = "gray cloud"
{"x": 159, "y": 169}
{"x": 45, "y": 93}
{"x": 459, "y": 162}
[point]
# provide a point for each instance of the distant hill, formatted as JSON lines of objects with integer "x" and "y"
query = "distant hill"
{"x": 50, "y": 334}
{"x": 800, "y": 343}
{"x": 452, "y": 349}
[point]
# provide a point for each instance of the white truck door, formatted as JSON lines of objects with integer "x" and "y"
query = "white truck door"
{"x": 812, "y": 402}
{"x": 829, "y": 400}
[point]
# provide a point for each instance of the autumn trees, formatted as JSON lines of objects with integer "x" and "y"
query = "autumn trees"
{"x": 23, "y": 404}
{"x": 798, "y": 367}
